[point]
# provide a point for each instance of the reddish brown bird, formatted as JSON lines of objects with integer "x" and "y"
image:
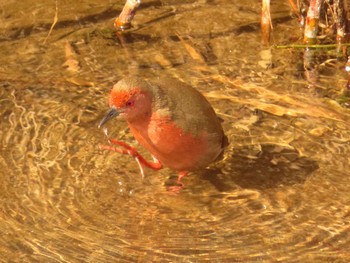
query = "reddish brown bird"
{"x": 172, "y": 120}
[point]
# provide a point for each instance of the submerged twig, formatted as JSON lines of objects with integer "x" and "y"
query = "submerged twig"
{"x": 55, "y": 19}
{"x": 266, "y": 24}
{"x": 295, "y": 9}
{"x": 191, "y": 50}
{"x": 340, "y": 21}
{"x": 276, "y": 103}
{"x": 123, "y": 21}
{"x": 311, "y": 25}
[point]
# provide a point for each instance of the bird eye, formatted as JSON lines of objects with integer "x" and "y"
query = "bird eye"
{"x": 129, "y": 103}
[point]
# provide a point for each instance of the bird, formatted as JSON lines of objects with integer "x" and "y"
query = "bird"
{"x": 169, "y": 118}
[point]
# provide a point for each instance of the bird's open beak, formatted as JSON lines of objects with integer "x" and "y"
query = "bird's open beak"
{"x": 113, "y": 112}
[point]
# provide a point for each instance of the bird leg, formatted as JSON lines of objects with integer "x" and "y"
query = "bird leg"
{"x": 180, "y": 176}
{"x": 176, "y": 188}
{"x": 127, "y": 149}
{"x": 155, "y": 165}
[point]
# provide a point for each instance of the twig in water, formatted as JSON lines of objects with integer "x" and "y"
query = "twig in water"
{"x": 55, "y": 19}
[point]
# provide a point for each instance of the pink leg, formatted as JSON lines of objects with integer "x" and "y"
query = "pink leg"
{"x": 127, "y": 149}
{"x": 180, "y": 176}
{"x": 176, "y": 189}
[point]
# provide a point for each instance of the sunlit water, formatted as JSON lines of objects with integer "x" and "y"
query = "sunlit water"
{"x": 281, "y": 194}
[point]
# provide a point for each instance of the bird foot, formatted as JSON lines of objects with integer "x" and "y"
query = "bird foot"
{"x": 175, "y": 189}
{"x": 127, "y": 149}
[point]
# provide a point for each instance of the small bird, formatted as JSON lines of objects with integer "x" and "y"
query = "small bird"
{"x": 171, "y": 119}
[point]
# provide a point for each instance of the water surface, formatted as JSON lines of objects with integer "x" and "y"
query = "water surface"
{"x": 280, "y": 194}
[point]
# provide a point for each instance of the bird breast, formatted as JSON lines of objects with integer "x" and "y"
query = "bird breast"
{"x": 174, "y": 147}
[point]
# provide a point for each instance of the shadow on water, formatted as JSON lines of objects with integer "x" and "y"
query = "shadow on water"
{"x": 272, "y": 167}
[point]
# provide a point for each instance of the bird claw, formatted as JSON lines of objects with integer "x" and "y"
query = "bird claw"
{"x": 175, "y": 189}
{"x": 133, "y": 153}
{"x": 155, "y": 160}
{"x": 105, "y": 131}
{"x": 140, "y": 166}
{"x": 127, "y": 149}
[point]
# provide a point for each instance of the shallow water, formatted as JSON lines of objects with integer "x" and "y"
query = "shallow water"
{"x": 280, "y": 194}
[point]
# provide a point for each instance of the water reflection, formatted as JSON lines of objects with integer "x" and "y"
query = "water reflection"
{"x": 280, "y": 194}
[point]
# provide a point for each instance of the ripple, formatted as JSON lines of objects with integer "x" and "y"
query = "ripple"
{"x": 280, "y": 194}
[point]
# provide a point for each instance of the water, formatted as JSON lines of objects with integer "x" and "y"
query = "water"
{"x": 280, "y": 194}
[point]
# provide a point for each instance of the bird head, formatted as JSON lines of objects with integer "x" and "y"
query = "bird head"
{"x": 130, "y": 99}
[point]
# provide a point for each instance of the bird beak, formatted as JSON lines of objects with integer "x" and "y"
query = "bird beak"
{"x": 113, "y": 112}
